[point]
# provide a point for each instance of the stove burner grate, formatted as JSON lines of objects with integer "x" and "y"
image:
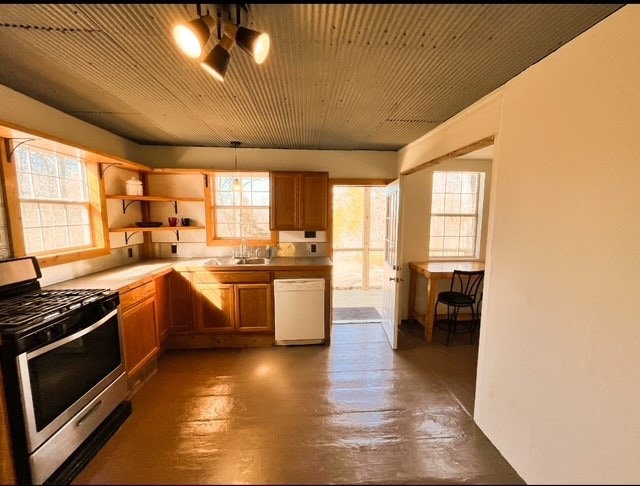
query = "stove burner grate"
{"x": 43, "y": 305}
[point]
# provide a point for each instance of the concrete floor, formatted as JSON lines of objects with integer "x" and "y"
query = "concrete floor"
{"x": 353, "y": 412}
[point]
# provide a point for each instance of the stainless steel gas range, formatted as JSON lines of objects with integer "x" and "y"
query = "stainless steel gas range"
{"x": 64, "y": 380}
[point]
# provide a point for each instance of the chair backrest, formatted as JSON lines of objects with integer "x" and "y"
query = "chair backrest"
{"x": 467, "y": 282}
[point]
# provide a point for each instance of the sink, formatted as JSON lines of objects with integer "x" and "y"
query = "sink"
{"x": 251, "y": 261}
{"x": 238, "y": 261}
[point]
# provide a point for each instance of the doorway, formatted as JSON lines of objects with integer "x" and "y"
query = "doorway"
{"x": 358, "y": 233}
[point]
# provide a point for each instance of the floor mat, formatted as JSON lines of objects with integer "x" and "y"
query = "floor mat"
{"x": 355, "y": 314}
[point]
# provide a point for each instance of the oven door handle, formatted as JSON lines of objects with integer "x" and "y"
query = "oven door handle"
{"x": 89, "y": 412}
{"x": 72, "y": 337}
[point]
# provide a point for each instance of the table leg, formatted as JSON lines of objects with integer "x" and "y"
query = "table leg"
{"x": 432, "y": 289}
{"x": 412, "y": 293}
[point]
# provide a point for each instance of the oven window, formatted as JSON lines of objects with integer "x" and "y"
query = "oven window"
{"x": 63, "y": 375}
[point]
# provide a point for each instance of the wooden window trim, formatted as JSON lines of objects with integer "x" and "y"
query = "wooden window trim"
{"x": 477, "y": 216}
{"x": 97, "y": 213}
{"x": 212, "y": 239}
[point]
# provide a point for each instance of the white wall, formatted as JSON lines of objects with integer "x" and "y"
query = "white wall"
{"x": 558, "y": 389}
{"x": 339, "y": 163}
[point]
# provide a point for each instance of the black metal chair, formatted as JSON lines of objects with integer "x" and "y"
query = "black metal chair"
{"x": 462, "y": 294}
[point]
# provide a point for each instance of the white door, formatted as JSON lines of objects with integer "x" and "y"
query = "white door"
{"x": 391, "y": 278}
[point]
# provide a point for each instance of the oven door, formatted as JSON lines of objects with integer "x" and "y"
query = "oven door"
{"x": 61, "y": 378}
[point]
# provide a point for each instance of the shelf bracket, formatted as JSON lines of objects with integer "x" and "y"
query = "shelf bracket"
{"x": 127, "y": 236}
{"x": 175, "y": 206}
{"x": 106, "y": 166}
{"x": 13, "y": 149}
{"x": 125, "y": 205}
{"x": 177, "y": 235}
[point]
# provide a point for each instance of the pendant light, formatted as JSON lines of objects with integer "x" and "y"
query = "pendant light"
{"x": 237, "y": 185}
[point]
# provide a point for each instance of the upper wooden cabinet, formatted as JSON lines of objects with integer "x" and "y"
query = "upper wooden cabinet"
{"x": 299, "y": 200}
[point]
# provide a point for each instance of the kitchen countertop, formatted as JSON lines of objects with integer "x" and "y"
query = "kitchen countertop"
{"x": 121, "y": 278}
{"x": 276, "y": 263}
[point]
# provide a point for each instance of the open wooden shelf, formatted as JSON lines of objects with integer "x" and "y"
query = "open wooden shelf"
{"x": 154, "y": 198}
{"x": 130, "y": 229}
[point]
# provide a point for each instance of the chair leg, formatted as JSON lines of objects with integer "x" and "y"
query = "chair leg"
{"x": 452, "y": 322}
{"x": 472, "y": 326}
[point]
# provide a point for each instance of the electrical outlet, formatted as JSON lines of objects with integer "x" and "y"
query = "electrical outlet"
{"x": 313, "y": 248}
{"x": 130, "y": 252}
{"x": 174, "y": 248}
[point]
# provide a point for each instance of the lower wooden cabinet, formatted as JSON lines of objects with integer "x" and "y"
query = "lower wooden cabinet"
{"x": 253, "y": 304}
{"x": 163, "y": 306}
{"x": 182, "y": 310}
{"x": 228, "y": 308}
{"x": 138, "y": 324}
{"x": 7, "y": 468}
{"x": 214, "y": 310}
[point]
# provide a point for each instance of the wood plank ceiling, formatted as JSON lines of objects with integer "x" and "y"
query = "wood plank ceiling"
{"x": 338, "y": 76}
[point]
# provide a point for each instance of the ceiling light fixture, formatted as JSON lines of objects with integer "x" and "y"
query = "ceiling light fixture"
{"x": 254, "y": 43}
{"x": 192, "y": 37}
{"x": 237, "y": 185}
{"x": 217, "y": 60}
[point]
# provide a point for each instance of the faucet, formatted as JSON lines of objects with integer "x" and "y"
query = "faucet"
{"x": 267, "y": 252}
{"x": 243, "y": 248}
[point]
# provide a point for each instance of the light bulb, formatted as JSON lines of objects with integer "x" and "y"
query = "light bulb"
{"x": 191, "y": 37}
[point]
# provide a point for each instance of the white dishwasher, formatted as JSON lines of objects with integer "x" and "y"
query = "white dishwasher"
{"x": 299, "y": 310}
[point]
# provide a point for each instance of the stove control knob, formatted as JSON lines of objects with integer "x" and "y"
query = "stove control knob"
{"x": 45, "y": 336}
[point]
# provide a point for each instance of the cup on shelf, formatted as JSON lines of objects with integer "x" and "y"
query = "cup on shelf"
{"x": 173, "y": 221}
{"x": 185, "y": 221}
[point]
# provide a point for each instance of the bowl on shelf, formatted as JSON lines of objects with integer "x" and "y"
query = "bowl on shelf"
{"x": 148, "y": 224}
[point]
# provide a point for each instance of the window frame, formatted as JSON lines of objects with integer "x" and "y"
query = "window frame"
{"x": 210, "y": 208}
{"x": 97, "y": 201}
{"x": 480, "y": 195}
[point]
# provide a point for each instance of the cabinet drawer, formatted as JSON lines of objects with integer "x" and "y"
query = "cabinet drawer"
{"x": 131, "y": 297}
{"x": 232, "y": 277}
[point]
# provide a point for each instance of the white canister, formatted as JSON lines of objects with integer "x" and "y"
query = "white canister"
{"x": 134, "y": 187}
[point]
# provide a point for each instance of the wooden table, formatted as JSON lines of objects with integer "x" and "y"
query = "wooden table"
{"x": 433, "y": 271}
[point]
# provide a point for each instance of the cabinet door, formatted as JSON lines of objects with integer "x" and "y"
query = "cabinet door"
{"x": 214, "y": 308}
{"x": 139, "y": 338}
{"x": 7, "y": 468}
{"x": 182, "y": 307}
{"x": 284, "y": 201}
{"x": 254, "y": 307}
{"x": 314, "y": 208}
{"x": 163, "y": 306}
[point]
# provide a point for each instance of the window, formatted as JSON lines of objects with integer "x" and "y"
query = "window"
{"x": 58, "y": 198}
{"x": 241, "y": 214}
{"x": 456, "y": 214}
